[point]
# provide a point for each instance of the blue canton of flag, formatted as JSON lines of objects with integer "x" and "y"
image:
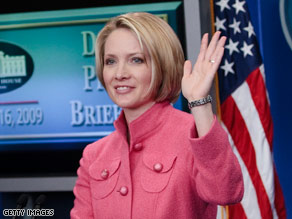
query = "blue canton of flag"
{"x": 242, "y": 55}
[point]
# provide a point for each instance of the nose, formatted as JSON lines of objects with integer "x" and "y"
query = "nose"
{"x": 122, "y": 72}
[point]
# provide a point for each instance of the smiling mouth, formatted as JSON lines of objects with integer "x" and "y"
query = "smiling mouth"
{"x": 122, "y": 88}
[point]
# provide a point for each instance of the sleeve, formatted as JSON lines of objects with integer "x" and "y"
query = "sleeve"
{"x": 216, "y": 170}
{"x": 82, "y": 204}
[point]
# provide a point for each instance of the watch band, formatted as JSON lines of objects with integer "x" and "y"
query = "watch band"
{"x": 200, "y": 102}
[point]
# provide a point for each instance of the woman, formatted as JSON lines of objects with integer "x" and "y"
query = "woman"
{"x": 160, "y": 163}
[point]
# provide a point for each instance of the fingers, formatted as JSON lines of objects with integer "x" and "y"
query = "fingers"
{"x": 213, "y": 45}
{"x": 219, "y": 50}
{"x": 217, "y": 59}
{"x": 204, "y": 46}
{"x": 210, "y": 51}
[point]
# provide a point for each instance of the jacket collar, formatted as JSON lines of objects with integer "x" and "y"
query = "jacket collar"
{"x": 145, "y": 124}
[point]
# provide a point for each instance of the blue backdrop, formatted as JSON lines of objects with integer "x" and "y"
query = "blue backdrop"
{"x": 277, "y": 56}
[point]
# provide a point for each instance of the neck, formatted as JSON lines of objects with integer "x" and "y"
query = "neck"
{"x": 132, "y": 114}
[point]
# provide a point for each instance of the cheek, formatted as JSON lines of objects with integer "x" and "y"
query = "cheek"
{"x": 106, "y": 79}
{"x": 147, "y": 79}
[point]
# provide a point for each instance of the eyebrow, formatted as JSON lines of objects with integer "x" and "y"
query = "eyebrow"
{"x": 130, "y": 54}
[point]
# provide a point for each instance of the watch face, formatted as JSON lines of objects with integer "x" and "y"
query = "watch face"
{"x": 286, "y": 19}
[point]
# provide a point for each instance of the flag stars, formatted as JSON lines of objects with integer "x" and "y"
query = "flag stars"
{"x": 232, "y": 47}
{"x": 235, "y": 26}
{"x": 220, "y": 24}
{"x": 249, "y": 29}
{"x": 223, "y": 4}
{"x": 246, "y": 49}
{"x": 227, "y": 67}
{"x": 238, "y": 6}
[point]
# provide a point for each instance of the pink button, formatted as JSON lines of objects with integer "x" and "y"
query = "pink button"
{"x": 158, "y": 167}
{"x": 104, "y": 174}
{"x": 124, "y": 190}
{"x": 138, "y": 147}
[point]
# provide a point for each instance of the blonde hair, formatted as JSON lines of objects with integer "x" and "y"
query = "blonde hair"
{"x": 164, "y": 48}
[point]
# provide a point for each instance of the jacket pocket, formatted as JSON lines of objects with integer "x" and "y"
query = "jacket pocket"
{"x": 156, "y": 171}
{"x": 104, "y": 176}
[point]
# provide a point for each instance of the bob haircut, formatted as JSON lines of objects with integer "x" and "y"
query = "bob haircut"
{"x": 166, "y": 54}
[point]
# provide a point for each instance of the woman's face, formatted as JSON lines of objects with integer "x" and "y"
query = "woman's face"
{"x": 127, "y": 70}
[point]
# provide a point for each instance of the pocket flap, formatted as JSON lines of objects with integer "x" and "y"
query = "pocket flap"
{"x": 97, "y": 169}
{"x": 152, "y": 161}
{"x": 155, "y": 179}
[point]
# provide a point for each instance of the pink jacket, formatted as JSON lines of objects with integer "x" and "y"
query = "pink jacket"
{"x": 166, "y": 171}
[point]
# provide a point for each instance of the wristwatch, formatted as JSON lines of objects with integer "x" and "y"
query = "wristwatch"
{"x": 200, "y": 102}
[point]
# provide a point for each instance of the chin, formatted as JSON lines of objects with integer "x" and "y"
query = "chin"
{"x": 131, "y": 104}
{"x": 123, "y": 103}
{"x": 127, "y": 105}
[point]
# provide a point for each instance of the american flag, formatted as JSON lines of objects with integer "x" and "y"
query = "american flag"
{"x": 245, "y": 113}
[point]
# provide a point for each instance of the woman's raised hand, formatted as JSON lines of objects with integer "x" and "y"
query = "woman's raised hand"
{"x": 197, "y": 81}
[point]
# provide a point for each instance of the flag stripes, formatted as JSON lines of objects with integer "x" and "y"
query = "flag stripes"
{"x": 252, "y": 201}
{"x": 236, "y": 127}
{"x": 257, "y": 88}
{"x": 263, "y": 154}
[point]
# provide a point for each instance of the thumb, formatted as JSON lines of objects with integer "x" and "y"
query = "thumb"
{"x": 187, "y": 68}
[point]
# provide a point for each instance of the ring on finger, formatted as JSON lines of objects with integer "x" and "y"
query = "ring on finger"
{"x": 212, "y": 60}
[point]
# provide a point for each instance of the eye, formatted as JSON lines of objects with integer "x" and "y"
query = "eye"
{"x": 109, "y": 61}
{"x": 137, "y": 60}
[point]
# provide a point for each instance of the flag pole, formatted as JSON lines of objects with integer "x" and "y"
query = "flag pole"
{"x": 218, "y": 109}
